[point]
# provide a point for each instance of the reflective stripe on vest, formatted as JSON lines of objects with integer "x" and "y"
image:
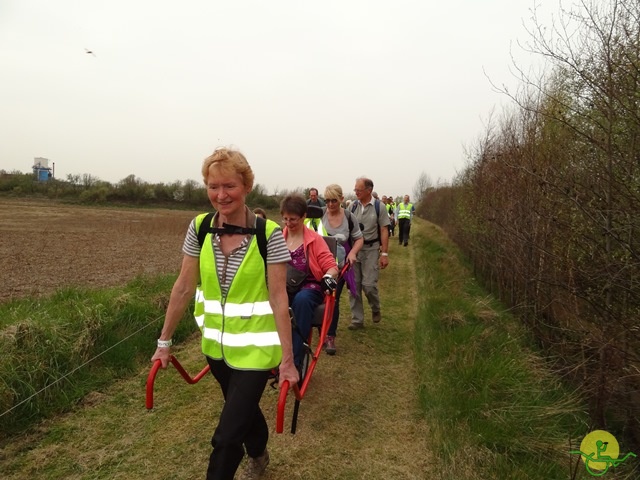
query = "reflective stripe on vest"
{"x": 239, "y": 328}
{"x": 404, "y": 211}
{"x": 242, "y": 339}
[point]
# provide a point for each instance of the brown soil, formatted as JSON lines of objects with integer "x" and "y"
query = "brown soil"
{"x": 45, "y": 246}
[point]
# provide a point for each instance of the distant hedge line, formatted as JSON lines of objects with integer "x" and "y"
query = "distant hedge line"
{"x": 87, "y": 189}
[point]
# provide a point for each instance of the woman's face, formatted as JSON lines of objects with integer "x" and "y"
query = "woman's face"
{"x": 293, "y": 222}
{"x": 226, "y": 192}
{"x": 333, "y": 203}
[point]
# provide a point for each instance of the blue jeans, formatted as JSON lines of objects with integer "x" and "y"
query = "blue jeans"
{"x": 303, "y": 304}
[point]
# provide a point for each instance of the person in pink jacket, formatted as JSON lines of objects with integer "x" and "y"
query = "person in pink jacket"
{"x": 311, "y": 271}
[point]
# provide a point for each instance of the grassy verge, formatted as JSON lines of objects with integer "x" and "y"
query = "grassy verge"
{"x": 57, "y": 350}
{"x": 447, "y": 386}
{"x": 496, "y": 409}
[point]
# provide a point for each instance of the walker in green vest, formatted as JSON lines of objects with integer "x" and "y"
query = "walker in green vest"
{"x": 404, "y": 210}
{"x": 239, "y": 327}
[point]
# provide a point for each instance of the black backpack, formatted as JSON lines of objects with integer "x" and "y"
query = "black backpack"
{"x": 260, "y": 232}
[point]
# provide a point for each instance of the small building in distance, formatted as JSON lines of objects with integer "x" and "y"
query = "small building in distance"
{"x": 41, "y": 169}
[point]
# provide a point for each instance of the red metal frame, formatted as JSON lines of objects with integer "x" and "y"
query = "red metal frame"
{"x": 298, "y": 390}
{"x": 154, "y": 370}
{"x": 301, "y": 389}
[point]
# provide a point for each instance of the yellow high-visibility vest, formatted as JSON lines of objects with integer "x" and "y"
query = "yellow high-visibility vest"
{"x": 239, "y": 327}
{"x": 404, "y": 210}
{"x": 316, "y": 225}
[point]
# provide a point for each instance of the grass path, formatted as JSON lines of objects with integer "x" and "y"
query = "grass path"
{"x": 359, "y": 418}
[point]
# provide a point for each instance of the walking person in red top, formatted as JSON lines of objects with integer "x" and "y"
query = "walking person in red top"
{"x": 316, "y": 266}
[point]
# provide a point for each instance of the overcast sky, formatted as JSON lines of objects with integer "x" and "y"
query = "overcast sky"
{"x": 311, "y": 92}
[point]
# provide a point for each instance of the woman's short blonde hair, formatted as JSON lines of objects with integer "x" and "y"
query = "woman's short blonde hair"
{"x": 333, "y": 191}
{"x": 227, "y": 161}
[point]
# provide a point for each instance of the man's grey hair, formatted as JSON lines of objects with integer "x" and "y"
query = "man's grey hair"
{"x": 368, "y": 183}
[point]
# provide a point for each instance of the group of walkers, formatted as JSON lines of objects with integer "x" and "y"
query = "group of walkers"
{"x": 245, "y": 272}
{"x": 400, "y": 214}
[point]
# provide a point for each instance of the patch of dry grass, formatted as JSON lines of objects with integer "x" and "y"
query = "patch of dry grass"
{"x": 359, "y": 418}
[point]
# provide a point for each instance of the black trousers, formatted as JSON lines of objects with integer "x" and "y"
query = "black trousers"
{"x": 242, "y": 424}
{"x": 404, "y": 226}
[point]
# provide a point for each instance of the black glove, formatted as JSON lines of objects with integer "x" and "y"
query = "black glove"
{"x": 329, "y": 284}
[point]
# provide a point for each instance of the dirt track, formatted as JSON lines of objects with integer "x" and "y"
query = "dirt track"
{"x": 45, "y": 246}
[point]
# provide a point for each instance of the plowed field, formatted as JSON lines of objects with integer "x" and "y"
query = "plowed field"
{"x": 45, "y": 246}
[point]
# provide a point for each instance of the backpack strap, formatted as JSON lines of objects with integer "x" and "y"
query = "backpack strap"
{"x": 202, "y": 232}
{"x": 376, "y": 204}
{"x": 261, "y": 238}
{"x": 349, "y": 219}
{"x": 260, "y": 232}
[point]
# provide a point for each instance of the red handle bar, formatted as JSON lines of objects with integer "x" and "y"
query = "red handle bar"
{"x": 282, "y": 400}
{"x": 154, "y": 370}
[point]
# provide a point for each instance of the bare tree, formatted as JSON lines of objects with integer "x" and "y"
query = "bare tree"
{"x": 549, "y": 207}
{"x": 422, "y": 185}
{"x": 89, "y": 180}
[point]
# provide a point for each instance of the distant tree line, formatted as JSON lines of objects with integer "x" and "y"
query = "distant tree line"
{"x": 131, "y": 190}
{"x": 548, "y": 207}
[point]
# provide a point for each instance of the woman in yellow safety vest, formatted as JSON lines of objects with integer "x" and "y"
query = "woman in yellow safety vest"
{"x": 242, "y": 312}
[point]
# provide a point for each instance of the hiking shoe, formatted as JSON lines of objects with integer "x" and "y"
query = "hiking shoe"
{"x": 255, "y": 467}
{"x": 376, "y": 317}
{"x": 356, "y": 326}
{"x": 330, "y": 345}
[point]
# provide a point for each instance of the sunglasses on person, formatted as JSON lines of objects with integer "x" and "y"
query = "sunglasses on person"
{"x": 331, "y": 200}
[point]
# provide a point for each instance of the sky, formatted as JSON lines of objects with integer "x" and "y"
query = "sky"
{"x": 312, "y": 93}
